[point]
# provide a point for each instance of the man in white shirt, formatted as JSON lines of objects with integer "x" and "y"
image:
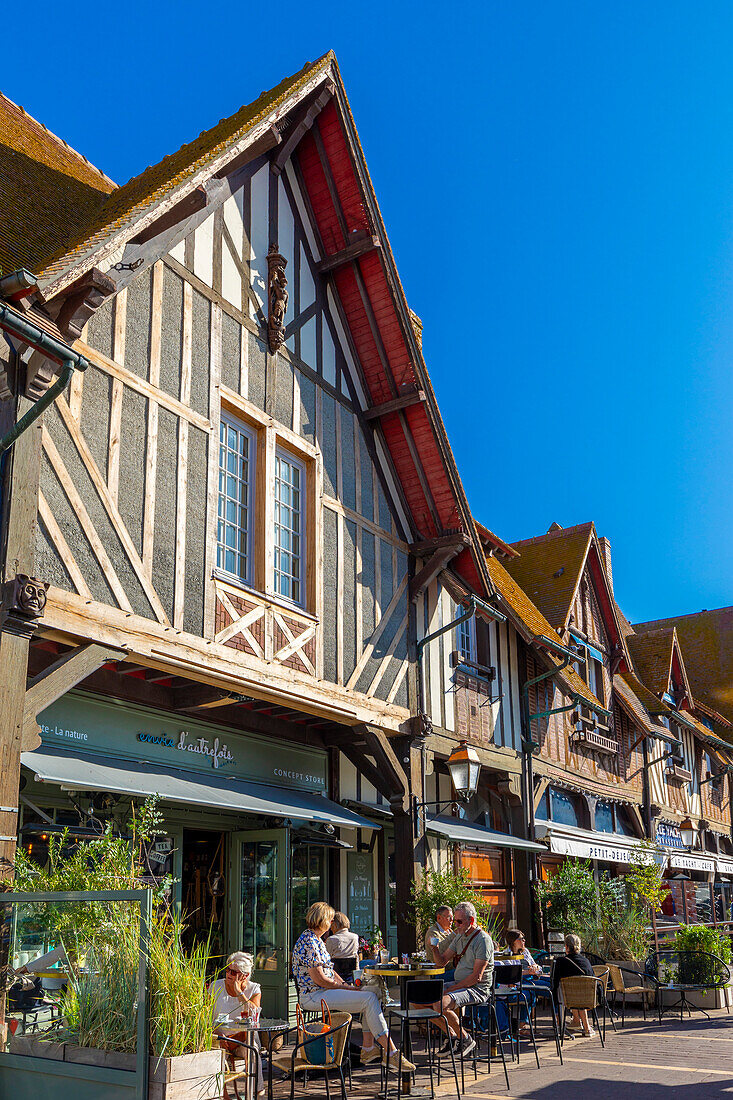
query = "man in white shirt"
{"x": 440, "y": 932}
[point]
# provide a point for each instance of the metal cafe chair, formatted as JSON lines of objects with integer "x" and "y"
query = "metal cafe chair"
{"x": 604, "y": 978}
{"x": 682, "y": 973}
{"x": 484, "y": 1022}
{"x": 421, "y": 991}
{"x": 511, "y": 974}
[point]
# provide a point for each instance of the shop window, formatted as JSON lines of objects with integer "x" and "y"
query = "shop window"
{"x": 624, "y": 824}
{"x": 564, "y": 808}
{"x": 308, "y": 883}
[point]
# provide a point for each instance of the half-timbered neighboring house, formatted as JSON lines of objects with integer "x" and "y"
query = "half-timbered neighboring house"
{"x": 218, "y": 540}
{"x": 693, "y": 783}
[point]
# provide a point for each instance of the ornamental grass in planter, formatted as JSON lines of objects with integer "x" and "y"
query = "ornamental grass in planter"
{"x": 99, "y": 1006}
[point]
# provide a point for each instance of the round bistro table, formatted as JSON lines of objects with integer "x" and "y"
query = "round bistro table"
{"x": 272, "y": 1029}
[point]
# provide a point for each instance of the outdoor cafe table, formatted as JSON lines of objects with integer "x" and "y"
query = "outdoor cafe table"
{"x": 272, "y": 1029}
{"x": 404, "y": 974}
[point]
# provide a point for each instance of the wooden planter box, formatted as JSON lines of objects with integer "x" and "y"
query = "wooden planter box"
{"x": 185, "y": 1077}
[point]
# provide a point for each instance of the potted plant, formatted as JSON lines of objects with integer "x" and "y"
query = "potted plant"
{"x": 437, "y": 888}
{"x": 698, "y": 969}
{"x": 99, "y": 1005}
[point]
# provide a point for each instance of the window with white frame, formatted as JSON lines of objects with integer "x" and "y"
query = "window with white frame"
{"x": 466, "y": 639}
{"x": 237, "y": 449}
{"x": 289, "y": 527}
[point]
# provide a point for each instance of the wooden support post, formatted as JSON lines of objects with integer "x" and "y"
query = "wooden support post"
{"x": 409, "y": 839}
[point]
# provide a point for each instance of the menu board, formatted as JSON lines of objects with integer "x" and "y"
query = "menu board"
{"x": 360, "y": 891}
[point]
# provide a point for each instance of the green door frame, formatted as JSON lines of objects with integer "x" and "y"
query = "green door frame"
{"x": 274, "y": 981}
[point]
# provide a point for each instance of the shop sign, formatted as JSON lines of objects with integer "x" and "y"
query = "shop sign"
{"x": 691, "y": 863}
{"x": 585, "y": 849}
{"x": 122, "y": 731}
{"x": 669, "y": 836}
{"x": 360, "y": 885}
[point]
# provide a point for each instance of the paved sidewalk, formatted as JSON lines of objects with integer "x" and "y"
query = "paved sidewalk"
{"x": 644, "y": 1061}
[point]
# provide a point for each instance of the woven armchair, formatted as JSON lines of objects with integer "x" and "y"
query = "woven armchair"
{"x": 604, "y": 981}
{"x": 581, "y": 993}
{"x": 620, "y": 988}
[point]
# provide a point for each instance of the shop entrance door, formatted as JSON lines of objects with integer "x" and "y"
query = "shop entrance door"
{"x": 260, "y": 916}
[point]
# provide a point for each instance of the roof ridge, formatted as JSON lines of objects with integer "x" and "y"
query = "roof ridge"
{"x": 553, "y": 534}
{"x": 673, "y": 619}
{"x": 60, "y": 140}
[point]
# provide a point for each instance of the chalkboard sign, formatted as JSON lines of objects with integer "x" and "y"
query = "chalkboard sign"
{"x": 360, "y": 881}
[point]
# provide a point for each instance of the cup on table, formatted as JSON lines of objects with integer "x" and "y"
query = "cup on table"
{"x": 254, "y": 1016}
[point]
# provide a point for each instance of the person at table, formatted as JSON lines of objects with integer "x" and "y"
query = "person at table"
{"x": 471, "y": 953}
{"x": 573, "y": 965}
{"x": 236, "y": 997}
{"x": 317, "y": 981}
{"x": 517, "y": 944}
{"x": 440, "y": 932}
{"x": 343, "y": 947}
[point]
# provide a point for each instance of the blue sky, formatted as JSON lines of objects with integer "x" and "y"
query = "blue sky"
{"x": 557, "y": 183}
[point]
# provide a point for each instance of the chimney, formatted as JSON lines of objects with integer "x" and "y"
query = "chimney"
{"x": 605, "y": 545}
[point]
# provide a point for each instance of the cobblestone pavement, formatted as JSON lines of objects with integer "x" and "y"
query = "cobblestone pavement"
{"x": 692, "y": 1060}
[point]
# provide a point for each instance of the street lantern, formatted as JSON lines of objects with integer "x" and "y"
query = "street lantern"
{"x": 688, "y": 833}
{"x": 464, "y": 767}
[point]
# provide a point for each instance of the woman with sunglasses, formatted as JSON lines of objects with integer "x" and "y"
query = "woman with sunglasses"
{"x": 236, "y": 998}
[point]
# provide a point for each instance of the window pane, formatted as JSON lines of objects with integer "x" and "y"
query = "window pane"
{"x": 604, "y": 817}
{"x": 288, "y": 518}
{"x": 235, "y": 492}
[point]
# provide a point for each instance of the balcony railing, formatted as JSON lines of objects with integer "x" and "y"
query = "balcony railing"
{"x": 675, "y": 773}
{"x": 592, "y": 739}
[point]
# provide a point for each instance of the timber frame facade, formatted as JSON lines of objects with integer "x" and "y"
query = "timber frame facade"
{"x": 240, "y": 533}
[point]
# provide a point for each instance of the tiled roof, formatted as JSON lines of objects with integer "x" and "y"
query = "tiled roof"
{"x": 127, "y": 204}
{"x": 646, "y": 697}
{"x": 652, "y": 657}
{"x": 706, "y": 640}
{"x": 536, "y": 624}
{"x": 48, "y": 192}
{"x": 630, "y": 701}
{"x": 493, "y": 542}
{"x": 548, "y": 569}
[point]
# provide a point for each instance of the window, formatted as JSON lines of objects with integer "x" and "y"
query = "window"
{"x": 466, "y": 639}
{"x": 595, "y": 679}
{"x": 289, "y": 527}
{"x": 236, "y": 480}
{"x": 564, "y": 807}
{"x": 604, "y": 817}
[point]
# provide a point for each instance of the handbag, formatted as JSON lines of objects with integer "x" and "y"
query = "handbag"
{"x": 319, "y": 1053}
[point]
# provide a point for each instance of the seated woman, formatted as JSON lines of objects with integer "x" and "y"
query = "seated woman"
{"x": 236, "y": 996}
{"x": 343, "y": 947}
{"x": 573, "y": 965}
{"x": 515, "y": 941}
{"x": 317, "y": 980}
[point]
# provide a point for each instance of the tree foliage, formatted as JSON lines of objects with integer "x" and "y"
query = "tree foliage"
{"x": 437, "y": 888}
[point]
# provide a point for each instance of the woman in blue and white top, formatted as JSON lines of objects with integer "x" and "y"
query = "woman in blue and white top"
{"x": 317, "y": 981}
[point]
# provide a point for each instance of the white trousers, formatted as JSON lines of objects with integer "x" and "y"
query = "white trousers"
{"x": 353, "y": 1001}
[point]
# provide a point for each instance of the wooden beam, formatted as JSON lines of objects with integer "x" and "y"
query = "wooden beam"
{"x": 378, "y": 746}
{"x": 429, "y": 546}
{"x": 432, "y": 567}
{"x": 412, "y": 397}
{"x": 300, "y": 129}
{"x": 352, "y": 251}
{"x": 60, "y": 676}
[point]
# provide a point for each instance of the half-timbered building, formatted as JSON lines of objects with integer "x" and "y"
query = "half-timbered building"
{"x": 218, "y": 539}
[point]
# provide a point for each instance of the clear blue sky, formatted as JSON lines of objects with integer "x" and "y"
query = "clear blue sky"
{"x": 557, "y": 182}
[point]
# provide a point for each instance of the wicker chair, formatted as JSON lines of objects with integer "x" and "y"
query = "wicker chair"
{"x": 620, "y": 988}
{"x": 581, "y": 993}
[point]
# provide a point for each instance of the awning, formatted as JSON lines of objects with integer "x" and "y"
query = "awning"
{"x": 566, "y": 840}
{"x": 723, "y": 865}
{"x": 466, "y": 832}
{"x": 680, "y": 861}
{"x": 87, "y": 772}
